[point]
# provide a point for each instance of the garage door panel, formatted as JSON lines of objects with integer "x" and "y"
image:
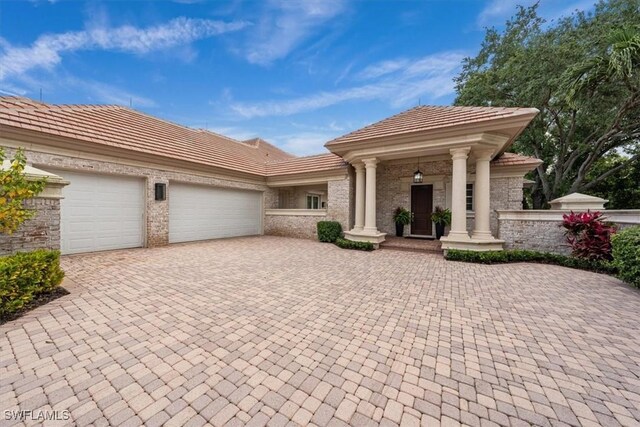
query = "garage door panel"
{"x": 101, "y": 212}
{"x": 201, "y": 213}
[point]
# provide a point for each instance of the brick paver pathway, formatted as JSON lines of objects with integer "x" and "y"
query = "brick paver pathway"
{"x": 284, "y": 331}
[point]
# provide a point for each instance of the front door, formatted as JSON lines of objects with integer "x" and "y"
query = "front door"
{"x": 421, "y": 206}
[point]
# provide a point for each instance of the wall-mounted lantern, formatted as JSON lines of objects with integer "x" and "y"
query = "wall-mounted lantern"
{"x": 417, "y": 175}
{"x": 161, "y": 191}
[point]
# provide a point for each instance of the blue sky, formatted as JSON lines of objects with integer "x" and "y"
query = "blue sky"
{"x": 294, "y": 73}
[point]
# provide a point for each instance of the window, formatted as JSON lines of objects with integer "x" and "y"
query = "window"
{"x": 469, "y": 197}
{"x": 313, "y": 201}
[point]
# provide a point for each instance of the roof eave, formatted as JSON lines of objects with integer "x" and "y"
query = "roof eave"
{"x": 35, "y": 137}
{"x": 521, "y": 119}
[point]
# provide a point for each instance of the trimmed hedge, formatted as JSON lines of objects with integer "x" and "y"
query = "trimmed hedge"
{"x": 350, "y": 244}
{"x": 626, "y": 255}
{"x": 25, "y": 275}
{"x": 329, "y": 231}
{"x": 500, "y": 257}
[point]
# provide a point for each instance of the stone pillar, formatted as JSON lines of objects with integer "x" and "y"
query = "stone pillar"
{"x": 481, "y": 196}
{"x": 459, "y": 194}
{"x": 360, "y": 196}
{"x": 370, "y": 196}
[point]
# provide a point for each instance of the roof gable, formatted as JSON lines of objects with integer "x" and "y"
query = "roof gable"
{"x": 429, "y": 118}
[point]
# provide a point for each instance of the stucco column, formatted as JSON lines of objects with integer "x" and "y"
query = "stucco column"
{"x": 482, "y": 196}
{"x": 360, "y": 196}
{"x": 459, "y": 194}
{"x": 370, "y": 195}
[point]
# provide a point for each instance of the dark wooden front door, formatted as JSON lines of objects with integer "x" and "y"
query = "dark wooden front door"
{"x": 421, "y": 206}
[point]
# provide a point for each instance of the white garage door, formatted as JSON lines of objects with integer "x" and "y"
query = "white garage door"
{"x": 201, "y": 213}
{"x": 101, "y": 212}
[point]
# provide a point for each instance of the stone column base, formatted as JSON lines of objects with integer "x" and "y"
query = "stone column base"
{"x": 471, "y": 244}
{"x": 375, "y": 237}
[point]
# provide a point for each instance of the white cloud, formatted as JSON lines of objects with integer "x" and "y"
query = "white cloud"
{"x": 383, "y": 68}
{"x": 497, "y": 11}
{"x": 105, "y": 93}
{"x": 430, "y": 77}
{"x": 231, "y": 132}
{"x": 46, "y": 51}
{"x": 112, "y": 95}
{"x": 302, "y": 144}
{"x": 285, "y": 24}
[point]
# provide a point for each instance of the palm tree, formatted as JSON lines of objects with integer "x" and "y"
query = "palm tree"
{"x": 620, "y": 66}
{"x": 620, "y": 62}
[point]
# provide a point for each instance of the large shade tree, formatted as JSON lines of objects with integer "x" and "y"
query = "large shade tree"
{"x": 582, "y": 73}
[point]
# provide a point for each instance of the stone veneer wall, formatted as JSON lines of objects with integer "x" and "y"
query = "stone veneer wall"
{"x": 541, "y": 230}
{"x": 393, "y": 183}
{"x": 506, "y": 194}
{"x": 300, "y": 226}
{"x": 339, "y": 206}
{"x": 394, "y": 189}
{"x": 339, "y": 202}
{"x": 157, "y": 212}
{"x": 40, "y": 232}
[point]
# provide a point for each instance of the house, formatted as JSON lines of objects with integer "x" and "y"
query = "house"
{"x": 139, "y": 181}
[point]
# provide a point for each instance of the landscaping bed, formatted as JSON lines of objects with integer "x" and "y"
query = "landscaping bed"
{"x": 37, "y": 301}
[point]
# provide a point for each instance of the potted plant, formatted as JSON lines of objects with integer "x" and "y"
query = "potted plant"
{"x": 401, "y": 217}
{"x": 442, "y": 218}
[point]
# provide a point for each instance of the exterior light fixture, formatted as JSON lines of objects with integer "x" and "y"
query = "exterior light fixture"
{"x": 417, "y": 175}
{"x": 161, "y": 191}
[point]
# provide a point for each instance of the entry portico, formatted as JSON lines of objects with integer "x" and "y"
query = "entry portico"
{"x": 466, "y": 139}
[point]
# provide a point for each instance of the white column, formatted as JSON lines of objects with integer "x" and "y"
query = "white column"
{"x": 360, "y": 200}
{"x": 370, "y": 196}
{"x": 482, "y": 196}
{"x": 459, "y": 194}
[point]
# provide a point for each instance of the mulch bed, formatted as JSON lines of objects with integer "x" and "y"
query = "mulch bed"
{"x": 39, "y": 300}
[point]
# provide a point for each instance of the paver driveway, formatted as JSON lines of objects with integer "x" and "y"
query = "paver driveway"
{"x": 277, "y": 330}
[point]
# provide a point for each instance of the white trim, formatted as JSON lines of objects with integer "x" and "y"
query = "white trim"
{"x": 296, "y": 212}
{"x": 295, "y": 182}
{"x": 630, "y": 216}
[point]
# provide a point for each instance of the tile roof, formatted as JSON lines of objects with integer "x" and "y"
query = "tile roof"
{"x": 513, "y": 159}
{"x": 122, "y": 127}
{"x": 316, "y": 163}
{"x": 425, "y": 118}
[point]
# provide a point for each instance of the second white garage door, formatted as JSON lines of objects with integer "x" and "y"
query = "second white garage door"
{"x": 201, "y": 213}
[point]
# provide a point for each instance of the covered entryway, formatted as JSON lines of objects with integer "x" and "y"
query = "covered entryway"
{"x": 421, "y": 206}
{"x": 201, "y": 213}
{"x": 101, "y": 212}
{"x": 460, "y": 135}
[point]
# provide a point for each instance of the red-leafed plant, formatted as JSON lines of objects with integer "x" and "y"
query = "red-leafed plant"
{"x": 589, "y": 235}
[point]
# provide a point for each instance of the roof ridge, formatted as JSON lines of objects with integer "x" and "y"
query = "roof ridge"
{"x": 301, "y": 157}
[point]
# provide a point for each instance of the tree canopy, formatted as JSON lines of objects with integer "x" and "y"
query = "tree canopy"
{"x": 582, "y": 73}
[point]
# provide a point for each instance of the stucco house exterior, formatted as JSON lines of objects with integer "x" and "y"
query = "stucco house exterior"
{"x": 126, "y": 179}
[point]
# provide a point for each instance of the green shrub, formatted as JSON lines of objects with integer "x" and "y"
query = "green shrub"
{"x": 329, "y": 231}
{"x": 350, "y": 244}
{"x": 500, "y": 257}
{"x": 25, "y": 275}
{"x": 626, "y": 255}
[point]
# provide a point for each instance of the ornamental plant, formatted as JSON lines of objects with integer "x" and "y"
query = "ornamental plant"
{"x": 402, "y": 216}
{"x": 588, "y": 235}
{"x": 15, "y": 188}
{"x": 441, "y": 216}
